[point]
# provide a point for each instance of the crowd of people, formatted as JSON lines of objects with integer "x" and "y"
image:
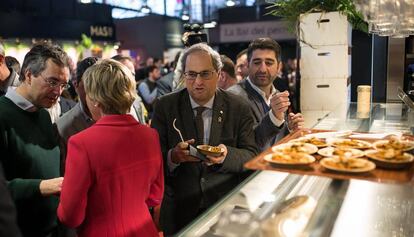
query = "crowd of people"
{"x": 99, "y": 167}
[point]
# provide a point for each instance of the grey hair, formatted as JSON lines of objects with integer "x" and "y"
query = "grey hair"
{"x": 215, "y": 57}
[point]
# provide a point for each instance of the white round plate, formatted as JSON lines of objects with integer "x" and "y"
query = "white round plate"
{"x": 390, "y": 163}
{"x": 321, "y": 142}
{"x": 329, "y": 152}
{"x": 285, "y": 147}
{"x": 345, "y": 143}
{"x": 382, "y": 144}
{"x": 271, "y": 159}
{"x": 329, "y": 163}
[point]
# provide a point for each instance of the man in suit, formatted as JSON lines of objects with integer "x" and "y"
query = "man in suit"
{"x": 269, "y": 106}
{"x": 205, "y": 115}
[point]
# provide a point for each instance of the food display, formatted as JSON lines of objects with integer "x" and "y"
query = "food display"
{"x": 350, "y": 143}
{"x": 351, "y": 165}
{"x": 294, "y": 158}
{"x": 394, "y": 143}
{"x": 319, "y": 142}
{"x": 340, "y": 151}
{"x": 210, "y": 150}
{"x": 295, "y": 147}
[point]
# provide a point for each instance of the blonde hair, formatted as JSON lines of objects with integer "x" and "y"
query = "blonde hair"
{"x": 112, "y": 85}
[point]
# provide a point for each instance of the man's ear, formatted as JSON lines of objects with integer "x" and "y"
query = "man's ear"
{"x": 28, "y": 77}
{"x": 279, "y": 67}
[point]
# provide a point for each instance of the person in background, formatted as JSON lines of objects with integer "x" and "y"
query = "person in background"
{"x": 205, "y": 115}
{"x": 28, "y": 145}
{"x": 148, "y": 88}
{"x": 138, "y": 106}
{"x": 114, "y": 169}
{"x": 242, "y": 65}
{"x": 227, "y": 76}
{"x": 79, "y": 117}
{"x": 8, "y": 76}
{"x": 268, "y": 105}
{"x": 13, "y": 63}
{"x": 165, "y": 83}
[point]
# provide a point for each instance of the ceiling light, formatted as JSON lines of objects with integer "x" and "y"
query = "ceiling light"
{"x": 230, "y": 3}
{"x": 210, "y": 25}
{"x": 85, "y": 1}
{"x": 185, "y": 17}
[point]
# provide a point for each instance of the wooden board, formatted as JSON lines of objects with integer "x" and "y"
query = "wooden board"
{"x": 377, "y": 175}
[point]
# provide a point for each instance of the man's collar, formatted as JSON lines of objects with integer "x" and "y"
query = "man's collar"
{"x": 208, "y": 105}
{"x": 258, "y": 90}
{"x": 19, "y": 100}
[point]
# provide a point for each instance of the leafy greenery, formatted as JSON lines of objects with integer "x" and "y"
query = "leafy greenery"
{"x": 291, "y": 9}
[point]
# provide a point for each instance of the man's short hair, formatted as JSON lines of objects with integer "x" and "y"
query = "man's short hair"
{"x": 112, "y": 85}
{"x": 121, "y": 58}
{"x": 228, "y": 66}
{"x": 35, "y": 60}
{"x": 83, "y": 65}
{"x": 151, "y": 68}
{"x": 241, "y": 53}
{"x": 264, "y": 43}
{"x": 215, "y": 57}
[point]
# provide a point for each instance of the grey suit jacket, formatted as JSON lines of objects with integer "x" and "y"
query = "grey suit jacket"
{"x": 266, "y": 132}
{"x": 194, "y": 186}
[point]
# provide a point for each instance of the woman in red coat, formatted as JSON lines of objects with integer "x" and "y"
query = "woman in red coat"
{"x": 114, "y": 168}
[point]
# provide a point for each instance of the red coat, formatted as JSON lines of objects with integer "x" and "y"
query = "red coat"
{"x": 113, "y": 173}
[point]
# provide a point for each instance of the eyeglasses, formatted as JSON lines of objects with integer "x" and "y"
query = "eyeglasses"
{"x": 204, "y": 75}
{"x": 53, "y": 83}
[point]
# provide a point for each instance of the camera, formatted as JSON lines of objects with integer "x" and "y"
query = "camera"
{"x": 193, "y": 34}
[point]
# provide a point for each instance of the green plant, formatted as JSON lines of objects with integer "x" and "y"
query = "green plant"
{"x": 291, "y": 10}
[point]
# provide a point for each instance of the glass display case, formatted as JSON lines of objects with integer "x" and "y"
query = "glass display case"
{"x": 271, "y": 203}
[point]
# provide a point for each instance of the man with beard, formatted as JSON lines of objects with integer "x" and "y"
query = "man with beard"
{"x": 269, "y": 106}
{"x": 28, "y": 147}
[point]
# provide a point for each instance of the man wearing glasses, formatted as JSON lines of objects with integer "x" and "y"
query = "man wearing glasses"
{"x": 205, "y": 115}
{"x": 28, "y": 147}
{"x": 269, "y": 106}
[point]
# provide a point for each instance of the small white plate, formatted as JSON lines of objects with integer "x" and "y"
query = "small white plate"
{"x": 304, "y": 147}
{"x": 330, "y": 151}
{"x": 272, "y": 158}
{"x": 384, "y": 144}
{"x": 349, "y": 143}
{"x": 330, "y": 163}
{"x": 390, "y": 163}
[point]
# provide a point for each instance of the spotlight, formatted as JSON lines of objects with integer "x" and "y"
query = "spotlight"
{"x": 230, "y": 3}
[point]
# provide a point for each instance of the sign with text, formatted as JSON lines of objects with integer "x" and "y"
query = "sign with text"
{"x": 99, "y": 31}
{"x": 245, "y": 32}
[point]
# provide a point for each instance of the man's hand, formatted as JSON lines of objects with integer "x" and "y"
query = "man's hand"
{"x": 180, "y": 153}
{"x": 212, "y": 160}
{"x": 51, "y": 186}
{"x": 279, "y": 103}
{"x": 295, "y": 122}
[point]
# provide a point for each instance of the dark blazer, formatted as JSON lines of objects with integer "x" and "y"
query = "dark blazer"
{"x": 266, "y": 132}
{"x": 165, "y": 84}
{"x": 8, "y": 220}
{"x": 66, "y": 105}
{"x": 194, "y": 186}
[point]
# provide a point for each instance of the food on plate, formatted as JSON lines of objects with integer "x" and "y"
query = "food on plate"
{"x": 210, "y": 150}
{"x": 295, "y": 147}
{"x": 293, "y": 158}
{"x": 319, "y": 142}
{"x": 344, "y": 164}
{"x": 389, "y": 155}
{"x": 394, "y": 143}
{"x": 351, "y": 143}
{"x": 340, "y": 151}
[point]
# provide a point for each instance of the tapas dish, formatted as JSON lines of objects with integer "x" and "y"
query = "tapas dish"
{"x": 295, "y": 158}
{"x": 295, "y": 147}
{"x": 347, "y": 165}
{"x": 390, "y": 158}
{"x": 350, "y": 143}
{"x": 340, "y": 151}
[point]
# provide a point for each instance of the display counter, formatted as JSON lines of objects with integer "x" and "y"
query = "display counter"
{"x": 318, "y": 206}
